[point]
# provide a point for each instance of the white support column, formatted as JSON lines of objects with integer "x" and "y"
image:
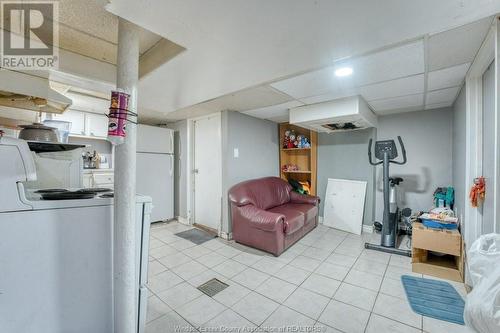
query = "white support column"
{"x": 124, "y": 243}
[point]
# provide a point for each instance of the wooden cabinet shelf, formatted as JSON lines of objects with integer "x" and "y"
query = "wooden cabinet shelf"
{"x": 303, "y": 158}
{"x": 295, "y": 149}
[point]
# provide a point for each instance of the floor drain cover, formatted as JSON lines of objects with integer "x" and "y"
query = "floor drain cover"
{"x": 212, "y": 287}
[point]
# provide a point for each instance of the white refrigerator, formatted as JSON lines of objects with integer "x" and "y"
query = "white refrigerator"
{"x": 155, "y": 169}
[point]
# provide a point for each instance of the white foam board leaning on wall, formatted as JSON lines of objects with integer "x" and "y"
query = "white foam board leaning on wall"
{"x": 344, "y": 205}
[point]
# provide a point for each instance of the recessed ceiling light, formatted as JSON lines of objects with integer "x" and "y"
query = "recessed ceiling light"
{"x": 343, "y": 71}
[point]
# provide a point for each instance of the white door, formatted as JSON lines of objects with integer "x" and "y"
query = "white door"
{"x": 155, "y": 178}
{"x": 488, "y": 209}
{"x": 207, "y": 171}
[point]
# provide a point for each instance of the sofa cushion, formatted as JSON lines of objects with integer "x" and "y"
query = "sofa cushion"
{"x": 310, "y": 212}
{"x": 294, "y": 219}
{"x": 264, "y": 193}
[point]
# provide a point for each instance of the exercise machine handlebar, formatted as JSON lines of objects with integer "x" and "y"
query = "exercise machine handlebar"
{"x": 403, "y": 150}
{"x": 370, "y": 159}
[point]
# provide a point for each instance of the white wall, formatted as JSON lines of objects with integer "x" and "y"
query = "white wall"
{"x": 427, "y": 136}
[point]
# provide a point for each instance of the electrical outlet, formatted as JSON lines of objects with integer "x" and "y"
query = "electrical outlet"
{"x": 236, "y": 153}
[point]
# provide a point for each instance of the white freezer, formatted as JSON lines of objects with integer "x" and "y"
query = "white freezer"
{"x": 152, "y": 139}
{"x": 155, "y": 178}
{"x": 57, "y": 267}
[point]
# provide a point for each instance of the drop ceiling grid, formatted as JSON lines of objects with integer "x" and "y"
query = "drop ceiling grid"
{"x": 391, "y": 91}
{"x": 408, "y": 76}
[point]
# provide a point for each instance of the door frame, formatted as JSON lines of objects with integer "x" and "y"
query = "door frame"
{"x": 488, "y": 53}
{"x": 191, "y": 164}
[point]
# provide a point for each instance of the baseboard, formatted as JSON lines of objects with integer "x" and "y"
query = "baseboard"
{"x": 225, "y": 235}
{"x": 183, "y": 220}
{"x": 367, "y": 229}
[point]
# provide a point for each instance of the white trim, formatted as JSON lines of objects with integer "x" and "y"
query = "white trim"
{"x": 473, "y": 168}
{"x": 368, "y": 229}
{"x": 225, "y": 235}
{"x": 496, "y": 190}
{"x": 190, "y": 166}
{"x": 183, "y": 220}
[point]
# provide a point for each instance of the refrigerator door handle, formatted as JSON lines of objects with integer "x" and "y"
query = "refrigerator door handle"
{"x": 171, "y": 165}
{"x": 172, "y": 141}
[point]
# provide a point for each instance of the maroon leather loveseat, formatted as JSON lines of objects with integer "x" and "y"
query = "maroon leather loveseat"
{"x": 268, "y": 215}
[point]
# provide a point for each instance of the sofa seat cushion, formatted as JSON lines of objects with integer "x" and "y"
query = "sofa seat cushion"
{"x": 294, "y": 219}
{"x": 310, "y": 212}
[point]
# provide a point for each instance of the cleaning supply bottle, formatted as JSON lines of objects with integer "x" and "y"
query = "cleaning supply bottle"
{"x": 118, "y": 113}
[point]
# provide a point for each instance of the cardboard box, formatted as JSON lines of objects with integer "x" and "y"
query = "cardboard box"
{"x": 446, "y": 267}
{"x": 438, "y": 240}
{"x": 438, "y": 252}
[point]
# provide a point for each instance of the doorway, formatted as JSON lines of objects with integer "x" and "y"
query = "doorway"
{"x": 207, "y": 172}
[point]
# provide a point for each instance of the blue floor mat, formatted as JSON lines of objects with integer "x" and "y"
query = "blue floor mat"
{"x": 435, "y": 299}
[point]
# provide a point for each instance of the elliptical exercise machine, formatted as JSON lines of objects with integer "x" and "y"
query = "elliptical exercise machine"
{"x": 386, "y": 152}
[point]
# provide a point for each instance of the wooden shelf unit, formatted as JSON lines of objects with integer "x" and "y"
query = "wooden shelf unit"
{"x": 304, "y": 158}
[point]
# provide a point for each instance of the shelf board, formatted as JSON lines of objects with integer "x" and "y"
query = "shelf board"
{"x": 298, "y": 171}
{"x": 291, "y": 149}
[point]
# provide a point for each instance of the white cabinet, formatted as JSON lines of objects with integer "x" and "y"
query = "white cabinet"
{"x": 84, "y": 123}
{"x": 87, "y": 180}
{"x": 101, "y": 178}
{"x": 76, "y": 118}
{"x": 97, "y": 125}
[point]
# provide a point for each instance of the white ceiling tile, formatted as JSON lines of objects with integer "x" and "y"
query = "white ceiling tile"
{"x": 393, "y": 63}
{"x": 397, "y": 103}
{"x": 273, "y": 111}
{"x": 394, "y": 88}
{"x": 442, "y": 96}
{"x": 397, "y": 111}
{"x": 457, "y": 46}
{"x": 280, "y": 119}
{"x": 439, "y": 105}
{"x": 330, "y": 96}
{"x": 447, "y": 77}
{"x": 247, "y": 99}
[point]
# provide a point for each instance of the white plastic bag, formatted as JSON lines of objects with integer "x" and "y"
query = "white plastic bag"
{"x": 483, "y": 257}
{"x": 482, "y": 306}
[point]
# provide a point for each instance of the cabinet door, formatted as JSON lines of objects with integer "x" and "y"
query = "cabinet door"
{"x": 97, "y": 125}
{"x": 76, "y": 118}
{"x": 87, "y": 181}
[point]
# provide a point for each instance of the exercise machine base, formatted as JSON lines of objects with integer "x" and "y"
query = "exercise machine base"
{"x": 392, "y": 250}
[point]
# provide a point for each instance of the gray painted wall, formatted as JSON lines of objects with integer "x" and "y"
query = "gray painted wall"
{"x": 257, "y": 143}
{"x": 344, "y": 156}
{"x": 427, "y": 136}
{"x": 459, "y": 154}
{"x": 181, "y": 168}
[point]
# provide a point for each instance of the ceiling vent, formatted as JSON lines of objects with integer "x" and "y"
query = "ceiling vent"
{"x": 340, "y": 115}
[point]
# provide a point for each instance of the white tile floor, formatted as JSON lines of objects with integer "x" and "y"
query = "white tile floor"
{"x": 327, "y": 281}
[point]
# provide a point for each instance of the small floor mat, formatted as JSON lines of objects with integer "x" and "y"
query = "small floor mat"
{"x": 435, "y": 299}
{"x": 196, "y": 236}
{"x": 213, "y": 287}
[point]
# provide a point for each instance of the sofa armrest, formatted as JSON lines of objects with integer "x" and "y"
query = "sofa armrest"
{"x": 304, "y": 199}
{"x": 261, "y": 219}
